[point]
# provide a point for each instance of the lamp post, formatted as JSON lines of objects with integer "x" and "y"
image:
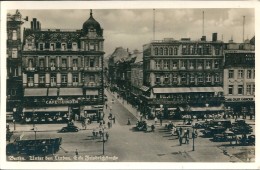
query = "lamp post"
{"x": 35, "y": 130}
{"x": 103, "y": 141}
{"x": 193, "y": 139}
{"x": 14, "y": 115}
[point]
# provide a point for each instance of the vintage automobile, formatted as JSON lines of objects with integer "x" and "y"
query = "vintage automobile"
{"x": 69, "y": 128}
{"x": 227, "y": 136}
{"x": 211, "y": 131}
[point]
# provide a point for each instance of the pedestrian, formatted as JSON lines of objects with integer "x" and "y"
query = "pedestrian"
{"x": 76, "y": 152}
{"x": 108, "y": 125}
{"x": 114, "y": 119}
{"x": 107, "y": 135}
{"x": 161, "y": 121}
{"x": 94, "y": 134}
{"x": 186, "y": 139}
{"x": 106, "y": 105}
{"x": 180, "y": 131}
{"x": 128, "y": 121}
{"x": 180, "y": 140}
{"x": 188, "y": 133}
{"x": 155, "y": 120}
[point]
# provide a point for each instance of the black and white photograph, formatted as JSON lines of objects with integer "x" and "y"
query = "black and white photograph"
{"x": 97, "y": 84}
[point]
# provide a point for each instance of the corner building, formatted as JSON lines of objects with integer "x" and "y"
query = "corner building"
{"x": 184, "y": 75}
{"x": 63, "y": 72}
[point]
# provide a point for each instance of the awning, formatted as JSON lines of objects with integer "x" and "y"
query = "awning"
{"x": 204, "y": 109}
{"x": 144, "y": 88}
{"x": 71, "y": 92}
{"x": 47, "y": 109}
{"x": 89, "y": 108}
{"x": 92, "y": 92}
{"x": 52, "y": 92}
{"x": 28, "y": 92}
{"x": 187, "y": 89}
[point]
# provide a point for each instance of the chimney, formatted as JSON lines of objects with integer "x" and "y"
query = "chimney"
{"x": 31, "y": 25}
{"x": 203, "y": 38}
{"x": 34, "y": 23}
{"x": 38, "y": 25}
{"x": 214, "y": 37}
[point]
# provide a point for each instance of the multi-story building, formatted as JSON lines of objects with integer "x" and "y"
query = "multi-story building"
{"x": 184, "y": 75}
{"x": 63, "y": 71}
{"x": 239, "y": 78}
{"x": 14, "y": 68}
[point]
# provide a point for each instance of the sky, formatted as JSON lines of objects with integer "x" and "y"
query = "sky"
{"x": 132, "y": 28}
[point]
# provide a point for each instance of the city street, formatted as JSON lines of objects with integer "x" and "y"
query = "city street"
{"x": 126, "y": 144}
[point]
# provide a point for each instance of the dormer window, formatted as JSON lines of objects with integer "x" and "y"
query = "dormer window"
{"x": 52, "y": 46}
{"x": 41, "y": 46}
{"x": 63, "y": 47}
{"x": 74, "y": 46}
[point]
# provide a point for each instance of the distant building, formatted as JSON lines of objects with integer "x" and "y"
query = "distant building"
{"x": 63, "y": 72}
{"x": 239, "y": 78}
{"x": 184, "y": 75}
{"x": 14, "y": 91}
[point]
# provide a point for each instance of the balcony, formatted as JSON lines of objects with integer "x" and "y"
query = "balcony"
{"x": 92, "y": 69}
{"x": 31, "y": 69}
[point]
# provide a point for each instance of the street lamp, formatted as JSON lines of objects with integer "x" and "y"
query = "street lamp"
{"x": 14, "y": 115}
{"x": 193, "y": 139}
{"x": 103, "y": 141}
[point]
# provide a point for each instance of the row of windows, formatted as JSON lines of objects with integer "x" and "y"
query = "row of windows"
{"x": 165, "y": 64}
{"x": 186, "y": 50}
{"x": 241, "y": 74}
{"x": 250, "y": 89}
{"x": 185, "y": 77}
{"x": 64, "y": 63}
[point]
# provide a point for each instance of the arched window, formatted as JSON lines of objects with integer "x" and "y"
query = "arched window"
{"x": 171, "y": 51}
{"x": 175, "y": 51}
{"x": 165, "y": 51}
{"x": 155, "y": 51}
{"x": 14, "y": 35}
{"x": 161, "y": 51}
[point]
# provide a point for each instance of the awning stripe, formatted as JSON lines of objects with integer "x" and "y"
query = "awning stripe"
{"x": 188, "y": 90}
{"x": 28, "y": 92}
{"x": 71, "y": 92}
{"x": 47, "y": 109}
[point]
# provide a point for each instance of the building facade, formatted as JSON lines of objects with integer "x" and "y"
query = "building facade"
{"x": 14, "y": 64}
{"x": 63, "y": 72}
{"x": 239, "y": 78}
{"x": 184, "y": 75}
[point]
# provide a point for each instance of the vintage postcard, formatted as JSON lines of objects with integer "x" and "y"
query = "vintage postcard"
{"x": 128, "y": 85}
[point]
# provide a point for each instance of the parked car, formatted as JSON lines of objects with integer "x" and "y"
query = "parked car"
{"x": 211, "y": 131}
{"x": 227, "y": 136}
{"x": 70, "y": 128}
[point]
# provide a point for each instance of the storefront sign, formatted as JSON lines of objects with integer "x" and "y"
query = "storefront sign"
{"x": 65, "y": 101}
{"x": 239, "y": 99}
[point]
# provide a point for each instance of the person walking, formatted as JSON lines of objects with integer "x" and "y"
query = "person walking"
{"x": 161, "y": 120}
{"x": 114, "y": 119}
{"x": 128, "y": 121}
{"x": 77, "y": 153}
{"x": 108, "y": 124}
{"x": 155, "y": 120}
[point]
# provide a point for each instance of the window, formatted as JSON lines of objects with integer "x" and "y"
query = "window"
{"x": 74, "y": 46}
{"x": 183, "y": 78}
{"x": 52, "y": 46}
{"x": 52, "y": 62}
{"x": 240, "y": 74}
{"x": 165, "y": 51}
{"x": 42, "y": 79}
{"x": 166, "y": 78}
{"x": 254, "y": 75}
{"x": 41, "y": 46}
{"x": 217, "y": 51}
{"x": 14, "y": 53}
{"x": 53, "y": 80}
{"x": 230, "y": 89}
{"x": 75, "y": 78}
{"x": 92, "y": 78}
{"x": 231, "y": 74}
{"x": 200, "y": 78}
{"x": 30, "y": 63}
{"x": 64, "y": 78}
{"x": 208, "y": 64}
{"x": 63, "y": 63}
{"x": 183, "y": 64}
{"x": 75, "y": 63}
{"x": 199, "y": 50}
{"x": 13, "y": 92}
{"x": 216, "y": 78}
{"x": 191, "y": 63}
{"x": 161, "y": 51}
{"x": 248, "y": 89}
{"x": 216, "y": 64}
{"x": 174, "y": 64}
{"x": 15, "y": 72}
{"x": 184, "y": 49}
{"x": 249, "y": 74}
{"x": 240, "y": 89}
{"x": 200, "y": 65}
{"x": 41, "y": 63}
{"x": 166, "y": 64}
{"x": 175, "y": 51}
{"x": 208, "y": 78}
{"x": 174, "y": 78}
{"x": 158, "y": 79}
{"x": 170, "y": 51}
{"x": 91, "y": 46}
{"x": 63, "y": 46}
{"x": 192, "y": 78}
{"x": 156, "y": 51}
{"x": 30, "y": 80}
{"x": 91, "y": 63}
{"x": 14, "y": 37}
{"x": 253, "y": 89}
{"x": 157, "y": 64}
